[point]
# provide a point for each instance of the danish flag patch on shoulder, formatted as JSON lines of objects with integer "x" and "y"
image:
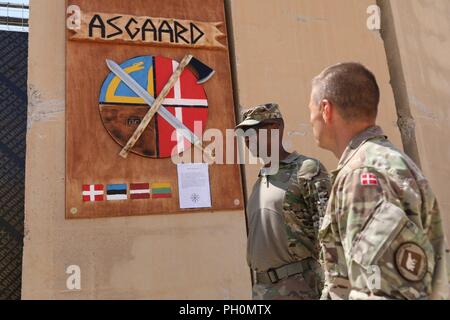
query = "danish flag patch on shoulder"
{"x": 369, "y": 179}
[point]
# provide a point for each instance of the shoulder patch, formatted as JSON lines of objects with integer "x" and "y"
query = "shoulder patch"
{"x": 411, "y": 262}
{"x": 309, "y": 169}
{"x": 368, "y": 179}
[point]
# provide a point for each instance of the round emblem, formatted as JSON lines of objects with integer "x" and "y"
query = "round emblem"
{"x": 122, "y": 110}
{"x": 411, "y": 262}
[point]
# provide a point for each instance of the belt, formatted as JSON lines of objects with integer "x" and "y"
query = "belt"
{"x": 275, "y": 275}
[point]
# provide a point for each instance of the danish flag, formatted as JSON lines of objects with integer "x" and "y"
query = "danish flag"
{"x": 186, "y": 101}
{"x": 93, "y": 192}
{"x": 369, "y": 179}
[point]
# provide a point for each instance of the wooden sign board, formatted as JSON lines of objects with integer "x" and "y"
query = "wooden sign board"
{"x": 147, "y": 38}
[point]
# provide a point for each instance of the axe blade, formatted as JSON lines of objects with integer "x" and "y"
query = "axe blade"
{"x": 204, "y": 73}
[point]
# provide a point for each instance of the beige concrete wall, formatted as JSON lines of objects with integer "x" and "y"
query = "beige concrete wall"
{"x": 282, "y": 44}
{"x": 423, "y": 34}
{"x": 195, "y": 256}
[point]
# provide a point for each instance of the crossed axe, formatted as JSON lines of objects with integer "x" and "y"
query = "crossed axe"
{"x": 204, "y": 73}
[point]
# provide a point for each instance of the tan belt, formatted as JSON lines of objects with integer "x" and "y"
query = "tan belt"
{"x": 275, "y": 275}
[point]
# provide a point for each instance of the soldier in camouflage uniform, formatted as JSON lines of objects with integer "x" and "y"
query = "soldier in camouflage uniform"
{"x": 382, "y": 235}
{"x": 284, "y": 213}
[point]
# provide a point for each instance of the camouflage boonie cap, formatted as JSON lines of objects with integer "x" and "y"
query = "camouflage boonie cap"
{"x": 258, "y": 114}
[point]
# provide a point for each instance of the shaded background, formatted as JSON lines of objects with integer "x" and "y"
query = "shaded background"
{"x": 13, "y": 127}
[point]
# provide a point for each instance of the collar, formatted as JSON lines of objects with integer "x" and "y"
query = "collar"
{"x": 290, "y": 159}
{"x": 357, "y": 142}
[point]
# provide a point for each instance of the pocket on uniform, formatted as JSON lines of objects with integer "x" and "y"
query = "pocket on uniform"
{"x": 384, "y": 226}
{"x": 390, "y": 228}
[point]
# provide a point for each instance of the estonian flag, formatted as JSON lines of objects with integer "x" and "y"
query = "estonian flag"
{"x": 116, "y": 192}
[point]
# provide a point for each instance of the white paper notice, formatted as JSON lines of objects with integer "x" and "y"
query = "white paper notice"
{"x": 194, "y": 186}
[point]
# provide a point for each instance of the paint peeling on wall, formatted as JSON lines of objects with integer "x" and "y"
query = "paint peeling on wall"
{"x": 40, "y": 110}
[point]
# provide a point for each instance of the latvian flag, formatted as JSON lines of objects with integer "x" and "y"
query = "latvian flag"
{"x": 115, "y": 192}
{"x": 93, "y": 193}
{"x": 139, "y": 191}
{"x": 161, "y": 190}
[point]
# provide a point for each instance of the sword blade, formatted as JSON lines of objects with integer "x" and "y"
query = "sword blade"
{"x": 141, "y": 92}
{"x": 177, "y": 124}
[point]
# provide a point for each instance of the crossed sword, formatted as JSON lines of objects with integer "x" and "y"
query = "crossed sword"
{"x": 204, "y": 74}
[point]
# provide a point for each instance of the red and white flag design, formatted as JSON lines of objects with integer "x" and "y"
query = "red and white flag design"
{"x": 369, "y": 179}
{"x": 187, "y": 101}
{"x": 139, "y": 191}
{"x": 93, "y": 193}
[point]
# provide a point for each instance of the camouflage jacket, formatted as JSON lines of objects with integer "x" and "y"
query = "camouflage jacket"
{"x": 382, "y": 236}
{"x": 285, "y": 212}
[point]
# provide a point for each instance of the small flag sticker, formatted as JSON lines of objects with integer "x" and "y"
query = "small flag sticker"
{"x": 161, "y": 190}
{"x": 139, "y": 191}
{"x": 93, "y": 192}
{"x": 116, "y": 192}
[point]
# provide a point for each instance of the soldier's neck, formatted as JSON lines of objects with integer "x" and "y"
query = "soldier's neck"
{"x": 282, "y": 155}
{"x": 346, "y": 135}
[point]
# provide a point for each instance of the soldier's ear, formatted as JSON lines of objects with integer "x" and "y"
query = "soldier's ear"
{"x": 327, "y": 110}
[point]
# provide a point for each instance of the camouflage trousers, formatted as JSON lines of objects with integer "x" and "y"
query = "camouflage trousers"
{"x": 304, "y": 286}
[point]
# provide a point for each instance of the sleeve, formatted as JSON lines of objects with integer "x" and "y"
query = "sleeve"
{"x": 317, "y": 193}
{"x": 305, "y": 204}
{"x": 387, "y": 255}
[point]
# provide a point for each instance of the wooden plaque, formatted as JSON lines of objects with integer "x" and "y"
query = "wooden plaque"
{"x": 148, "y": 36}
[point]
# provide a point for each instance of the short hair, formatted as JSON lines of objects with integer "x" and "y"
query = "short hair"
{"x": 351, "y": 87}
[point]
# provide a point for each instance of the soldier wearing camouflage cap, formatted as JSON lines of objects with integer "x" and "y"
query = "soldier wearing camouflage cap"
{"x": 284, "y": 212}
{"x": 382, "y": 236}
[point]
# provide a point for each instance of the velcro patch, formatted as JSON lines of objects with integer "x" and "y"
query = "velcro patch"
{"x": 369, "y": 179}
{"x": 411, "y": 262}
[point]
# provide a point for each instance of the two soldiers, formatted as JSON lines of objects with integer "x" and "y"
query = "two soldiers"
{"x": 381, "y": 236}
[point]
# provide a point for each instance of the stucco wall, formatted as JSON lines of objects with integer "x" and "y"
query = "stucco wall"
{"x": 195, "y": 256}
{"x": 423, "y": 37}
{"x": 279, "y": 46}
